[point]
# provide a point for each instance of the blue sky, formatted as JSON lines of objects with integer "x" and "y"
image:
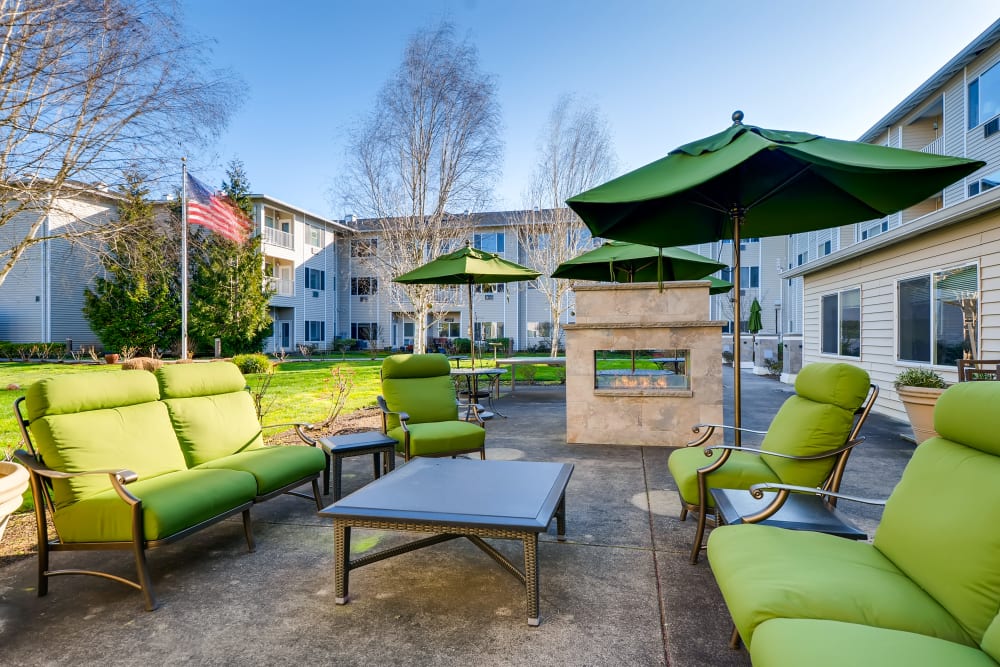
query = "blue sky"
{"x": 662, "y": 72}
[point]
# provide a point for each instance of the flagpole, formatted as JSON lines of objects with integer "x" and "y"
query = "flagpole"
{"x": 184, "y": 261}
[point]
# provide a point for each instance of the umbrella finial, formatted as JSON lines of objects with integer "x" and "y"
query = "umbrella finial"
{"x": 468, "y": 243}
{"x": 737, "y": 117}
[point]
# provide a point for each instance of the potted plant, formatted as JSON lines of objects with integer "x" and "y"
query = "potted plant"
{"x": 918, "y": 389}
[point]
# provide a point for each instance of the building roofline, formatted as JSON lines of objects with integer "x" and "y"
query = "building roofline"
{"x": 985, "y": 40}
{"x": 945, "y": 217}
{"x": 298, "y": 209}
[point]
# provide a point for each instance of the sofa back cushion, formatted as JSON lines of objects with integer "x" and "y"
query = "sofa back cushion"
{"x": 419, "y": 385}
{"x": 991, "y": 639}
{"x": 210, "y": 410}
{"x": 817, "y": 419}
{"x": 940, "y": 525}
{"x": 100, "y": 421}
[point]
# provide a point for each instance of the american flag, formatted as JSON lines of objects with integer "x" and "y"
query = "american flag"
{"x": 215, "y": 211}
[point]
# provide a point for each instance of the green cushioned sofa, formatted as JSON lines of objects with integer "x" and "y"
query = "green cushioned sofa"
{"x": 132, "y": 460}
{"x": 926, "y": 591}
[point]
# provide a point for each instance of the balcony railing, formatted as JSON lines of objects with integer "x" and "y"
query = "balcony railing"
{"x": 936, "y": 147}
{"x": 282, "y": 287}
{"x": 278, "y": 238}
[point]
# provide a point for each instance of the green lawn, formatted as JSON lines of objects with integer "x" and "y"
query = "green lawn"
{"x": 299, "y": 390}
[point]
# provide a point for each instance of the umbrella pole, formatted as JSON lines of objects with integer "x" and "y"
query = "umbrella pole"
{"x": 736, "y": 215}
{"x": 472, "y": 331}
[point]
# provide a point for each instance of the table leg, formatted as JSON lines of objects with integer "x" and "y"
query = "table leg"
{"x": 326, "y": 475}
{"x": 377, "y": 464}
{"x": 338, "y": 469}
{"x": 531, "y": 577}
{"x": 390, "y": 459}
{"x": 561, "y": 519}
{"x": 341, "y": 559}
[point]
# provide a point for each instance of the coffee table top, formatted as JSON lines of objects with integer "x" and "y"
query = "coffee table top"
{"x": 462, "y": 492}
{"x": 361, "y": 440}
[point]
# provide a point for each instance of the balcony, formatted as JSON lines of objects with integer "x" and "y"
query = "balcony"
{"x": 282, "y": 287}
{"x": 278, "y": 238}
{"x": 936, "y": 147}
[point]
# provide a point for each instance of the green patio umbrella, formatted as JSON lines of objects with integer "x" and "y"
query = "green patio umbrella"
{"x": 468, "y": 266}
{"x": 620, "y": 262}
{"x": 750, "y": 182}
{"x": 754, "y": 324}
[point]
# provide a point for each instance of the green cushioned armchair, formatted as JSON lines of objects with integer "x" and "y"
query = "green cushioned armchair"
{"x": 807, "y": 443}
{"x": 419, "y": 410}
{"x": 926, "y": 591}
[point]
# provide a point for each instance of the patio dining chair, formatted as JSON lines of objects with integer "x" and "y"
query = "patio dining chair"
{"x": 420, "y": 412}
{"x": 970, "y": 370}
{"x": 808, "y": 441}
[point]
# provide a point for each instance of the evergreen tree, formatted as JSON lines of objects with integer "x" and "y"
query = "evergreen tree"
{"x": 135, "y": 303}
{"x": 228, "y": 298}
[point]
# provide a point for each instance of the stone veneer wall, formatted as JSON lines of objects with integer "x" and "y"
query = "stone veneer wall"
{"x": 641, "y": 317}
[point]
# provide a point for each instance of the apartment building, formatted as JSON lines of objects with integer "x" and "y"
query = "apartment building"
{"x": 919, "y": 288}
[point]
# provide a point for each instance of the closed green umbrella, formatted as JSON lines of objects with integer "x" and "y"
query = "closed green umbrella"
{"x": 754, "y": 325}
{"x": 619, "y": 262}
{"x": 750, "y": 182}
{"x": 468, "y": 266}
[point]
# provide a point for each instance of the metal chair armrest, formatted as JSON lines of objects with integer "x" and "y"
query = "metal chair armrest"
{"x": 119, "y": 478}
{"x": 757, "y": 491}
{"x": 811, "y": 457}
{"x": 300, "y": 430}
{"x": 403, "y": 416}
{"x": 711, "y": 430}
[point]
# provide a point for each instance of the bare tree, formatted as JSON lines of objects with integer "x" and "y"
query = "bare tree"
{"x": 575, "y": 154}
{"x": 432, "y": 143}
{"x": 86, "y": 88}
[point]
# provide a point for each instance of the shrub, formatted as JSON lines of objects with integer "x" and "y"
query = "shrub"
{"x": 252, "y": 363}
{"x": 919, "y": 377}
{"x": 141, "y": 363}
{"x": 461, "y": 345}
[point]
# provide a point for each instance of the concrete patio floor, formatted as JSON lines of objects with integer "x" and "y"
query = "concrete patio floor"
{"x": 618, "y": 591}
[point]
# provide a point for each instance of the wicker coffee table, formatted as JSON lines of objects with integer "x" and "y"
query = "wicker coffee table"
{"x": 513, "y": 500}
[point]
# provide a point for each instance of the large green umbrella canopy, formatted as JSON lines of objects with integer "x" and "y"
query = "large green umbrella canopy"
{"x": 468, "y": 266}
{"x": 749, "y": 182}
{"x": 620, "y": 262}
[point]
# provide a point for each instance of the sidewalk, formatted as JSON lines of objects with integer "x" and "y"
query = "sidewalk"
{"x": 619, "y": 591}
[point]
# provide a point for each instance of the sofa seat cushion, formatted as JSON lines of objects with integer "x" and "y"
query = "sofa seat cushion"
{"x": 435, "y": 438}
{"x": 170, "y": 503}
{"x": 786, "y": 642}
{"x": 272, "y": 467}
{"x": 738, "y": 472}
{"x": 766, "y": 572}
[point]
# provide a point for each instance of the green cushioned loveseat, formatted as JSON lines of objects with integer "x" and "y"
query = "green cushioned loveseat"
{"x": 926, "y": 591}
{"x": 134, "y": 460}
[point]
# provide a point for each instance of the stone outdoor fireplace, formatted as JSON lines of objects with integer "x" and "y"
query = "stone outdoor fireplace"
{"x": 642, "y": 366}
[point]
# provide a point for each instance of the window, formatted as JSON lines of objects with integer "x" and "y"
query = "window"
{"x": 726, "y": 274}
{"x": 489, "y": 242}
{"x": 364, "y": 247}
{"x": 363, "y": 287}
{"x": 823, "y": 249}
{"x": 314, "y": 236}
{"x": 879, "y": 227}
{"x": 937, "y": 316}
{"x": 487, "y": 330}
{"x": 984, "y": 96}
{"x": 749, "y": 276}
{"x": 315, "y": 279}
{"x": 985, "y": 183}
{"x": 450, "y": 330}
{"x": 315, "y": 331}
{"x": 489, "y": 288}
{"x": 841, "y": 323}
{"x": 802, "y": 258}
{"x": 367, "y": 331}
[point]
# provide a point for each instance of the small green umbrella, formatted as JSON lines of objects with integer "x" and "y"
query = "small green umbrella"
{"x": 754, "y": 325}
{"x": 718, "y": 285}
{"x": 748, "y": 182}
{"x": 621, "y": 262}
{"x": 468, "y": 266}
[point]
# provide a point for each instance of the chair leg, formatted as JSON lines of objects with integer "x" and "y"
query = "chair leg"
{"x": 142, "y": 572}
{"x": 248, "y": 530}
{"x": 43, "y": 548}
{"x": 734, "y": 640}
{"x": 684, "y": 511}
{"x": 699, "y": 534}
{"x": 316, "y": 495}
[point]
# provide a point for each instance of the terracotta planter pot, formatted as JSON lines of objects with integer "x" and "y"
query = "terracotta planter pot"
{"x": 919, "y": 403}
{"x": 111, "y": 358}
{"x": 13, "y": 482}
